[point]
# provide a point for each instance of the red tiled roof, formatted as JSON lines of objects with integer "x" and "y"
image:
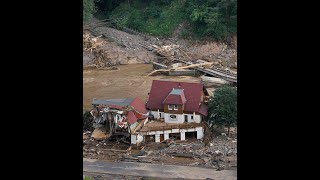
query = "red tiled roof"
{"x": 131, "y": 117}
{"x": 161, "y": 89}
{"x": 203, "y": 109}
{"x": 173, "y": 99}
{"x": 139, "y": 105}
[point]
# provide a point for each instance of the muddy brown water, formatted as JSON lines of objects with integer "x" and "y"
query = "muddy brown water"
{"x": 129, "y": 81}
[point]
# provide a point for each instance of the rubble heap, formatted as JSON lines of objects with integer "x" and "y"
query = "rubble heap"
{"x": 90, "y": 43}
{"x": 93, "y": 45}
{"x": 220, "y": 154}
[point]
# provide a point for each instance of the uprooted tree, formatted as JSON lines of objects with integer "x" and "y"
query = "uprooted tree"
{"x": 222, "y": 109}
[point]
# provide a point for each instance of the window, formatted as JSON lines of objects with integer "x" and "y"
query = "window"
{"x": 170, "y": 107}
{"x": 175, "y": 107}
{"x": 192, "y": 117}
{"x": 173, "y": 116}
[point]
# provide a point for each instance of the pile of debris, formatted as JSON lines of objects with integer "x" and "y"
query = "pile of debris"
{"x": 105, "y": 150}
{"x": 220, "y": 154}
{"x": 168, "y": 53}
{"x": 91, "y": 43}
{"x": 167, "y": 50}
{"x": 101, "y": 59}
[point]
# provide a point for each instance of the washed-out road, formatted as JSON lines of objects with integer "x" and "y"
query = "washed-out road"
{"x": 154, "y": 170}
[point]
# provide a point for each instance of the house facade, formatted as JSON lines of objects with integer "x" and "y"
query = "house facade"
{"x": 178, "y": 103}
{"x": 177, "y": 107}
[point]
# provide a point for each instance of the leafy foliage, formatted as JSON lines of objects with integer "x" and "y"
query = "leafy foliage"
{"x": 208, "y": 18}
{"x": 156, "y": 18}
{"x": 215, "y": 18}
{"x": 223, "y": 107}
{"x": 88, "y": 9}
{"x": 88, "y": 178}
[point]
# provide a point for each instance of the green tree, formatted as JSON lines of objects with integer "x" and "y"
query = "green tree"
{"x": 215, "y": 18}
{"x": 88, "y": 9}
{"x": 222, "y": 110}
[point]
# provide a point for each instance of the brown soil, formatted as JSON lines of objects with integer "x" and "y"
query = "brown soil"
{"x": 129, "y": 81}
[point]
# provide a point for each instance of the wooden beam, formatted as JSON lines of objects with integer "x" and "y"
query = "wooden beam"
{"x": 184, "y": 67}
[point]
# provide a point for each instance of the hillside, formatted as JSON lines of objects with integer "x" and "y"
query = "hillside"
{"x": 192, "y": 19}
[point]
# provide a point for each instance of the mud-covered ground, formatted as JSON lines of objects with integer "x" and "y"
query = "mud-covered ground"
{"x": 220, "y": 153}
{"x": 129, "y": 81}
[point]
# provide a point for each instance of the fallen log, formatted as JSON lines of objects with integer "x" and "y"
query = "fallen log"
{"x": 162, "y": 66}
{"x": 187, "y": 155}
{"x": 213, "y": 81}
{"x": 184, "y": 67}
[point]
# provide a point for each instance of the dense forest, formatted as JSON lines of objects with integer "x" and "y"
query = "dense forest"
{"x": 195, "y": 18}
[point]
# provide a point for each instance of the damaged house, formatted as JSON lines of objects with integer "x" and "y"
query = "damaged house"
{"x": 177, "y": 108}
{"x": 118, "y": 117}
{"x": 180, "y": 109}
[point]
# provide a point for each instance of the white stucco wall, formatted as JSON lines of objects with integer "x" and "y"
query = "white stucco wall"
{"x": 196, "y": 118}
{"x": 166, "y": 136}
{"x": 133, "y": 139}
{"x": 157, "y": 137}
{"x": 179, "y": 118}
{"x": 199, "y": 132}
{"x": 182, "y": 136}
{"x": 155, "y": 114}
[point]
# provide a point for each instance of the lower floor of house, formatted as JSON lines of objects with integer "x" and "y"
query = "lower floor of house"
{"x": 161, "y": 135}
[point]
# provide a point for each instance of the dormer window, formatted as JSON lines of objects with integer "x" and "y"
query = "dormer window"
{"x": 173, "y": 107}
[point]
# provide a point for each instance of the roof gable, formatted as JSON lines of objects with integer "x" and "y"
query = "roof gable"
{"x": 161, "y": 89}
{"x": 140, "y": 108}
{"x": 176, "y": 96}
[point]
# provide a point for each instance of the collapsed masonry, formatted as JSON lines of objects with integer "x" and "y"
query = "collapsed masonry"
{"x": 116, "y": 117}
{"x": 177, "y": 110}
